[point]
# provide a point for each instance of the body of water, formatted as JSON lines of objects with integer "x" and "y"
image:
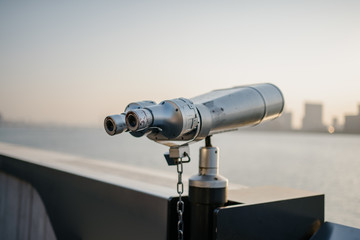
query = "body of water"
{"x": 320, "y": 163}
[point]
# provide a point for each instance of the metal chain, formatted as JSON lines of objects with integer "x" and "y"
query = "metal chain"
{"x": 180, "y": 203}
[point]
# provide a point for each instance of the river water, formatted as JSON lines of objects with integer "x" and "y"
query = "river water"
{"x": 320, "y": 163}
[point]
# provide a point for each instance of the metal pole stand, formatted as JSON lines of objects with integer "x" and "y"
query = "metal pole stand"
{"x": 207, "y": 191}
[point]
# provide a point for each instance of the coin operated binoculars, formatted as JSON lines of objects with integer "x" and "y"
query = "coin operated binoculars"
{"x": 178, "y": 122}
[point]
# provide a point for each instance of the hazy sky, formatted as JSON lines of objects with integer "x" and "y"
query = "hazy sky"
{"x": 74, "y": 62}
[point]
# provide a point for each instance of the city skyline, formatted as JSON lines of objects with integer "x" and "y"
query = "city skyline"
{"x": 312, "y": 120}
{"x": 75, "y": 63}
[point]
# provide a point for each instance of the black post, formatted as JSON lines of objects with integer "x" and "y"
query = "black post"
{"x": 203, "y": 202}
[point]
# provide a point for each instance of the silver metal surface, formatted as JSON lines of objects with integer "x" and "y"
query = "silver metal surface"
{"x": 138, "y": 119}
{"x": 208, "y": 176}
{"x": 179, "y": 151}
{"x": 173, "y": 119}
{"x": 179, "y": 121}
{"x": 209, "y": 161}
{"x": 240, "y": 106}
{"x": 206, "y": 181}
{"x": 115, "y": 124}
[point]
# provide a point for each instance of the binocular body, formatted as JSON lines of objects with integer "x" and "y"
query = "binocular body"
{"x": 194, "y": 119}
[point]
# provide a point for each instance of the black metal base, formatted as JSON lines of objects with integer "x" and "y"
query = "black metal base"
{"x": 289, "y": 218}
{"x": 296, "y": 218}
{"x": 203, "y": 202}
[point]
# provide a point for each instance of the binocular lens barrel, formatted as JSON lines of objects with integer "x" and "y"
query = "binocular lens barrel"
{"x": 138, "y": 119}
{"x": 115, "y": 124}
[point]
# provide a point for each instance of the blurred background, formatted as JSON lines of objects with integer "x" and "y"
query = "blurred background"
{"x": 65, "y": 65}
{"x": 74, "y": 62}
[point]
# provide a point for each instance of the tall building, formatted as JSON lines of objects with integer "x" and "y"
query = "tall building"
{"x": 282, "y": 123}
{"x": 352, "y": 123}
{"x": 336, "y": 126}
{"x": 312, "y": 120}
{"x": 285, "y": 121}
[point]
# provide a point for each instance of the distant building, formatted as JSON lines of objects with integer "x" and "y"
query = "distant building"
{"x": 282, "y": 123}
{"x": 352, "y": 123}
{"x": 336, "y": 126}
{"x": 312, "y": 121}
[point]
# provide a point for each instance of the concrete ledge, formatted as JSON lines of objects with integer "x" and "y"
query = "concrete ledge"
{"x": 90, "y": 199}
{"x": 147, "y": 180}
{"x": 264, "y": 194}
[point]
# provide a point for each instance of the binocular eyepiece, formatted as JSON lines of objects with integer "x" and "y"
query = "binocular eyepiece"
{"x": 194, "y": 119}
